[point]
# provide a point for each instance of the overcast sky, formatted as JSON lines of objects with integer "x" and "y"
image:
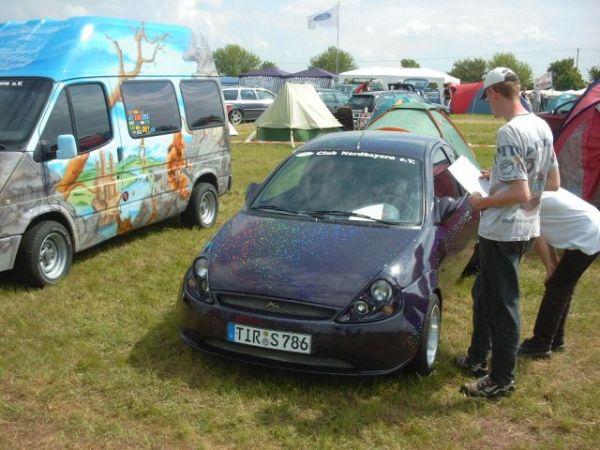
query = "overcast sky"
{"x": 375, "y": 32}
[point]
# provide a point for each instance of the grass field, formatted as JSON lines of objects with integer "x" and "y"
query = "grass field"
{"x": 96, "y": 362}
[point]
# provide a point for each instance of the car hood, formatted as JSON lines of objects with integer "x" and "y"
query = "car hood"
{"x": 314, "y": 261}
{"x": 8, "y": 162}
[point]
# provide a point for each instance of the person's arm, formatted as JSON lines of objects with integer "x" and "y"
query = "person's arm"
{"x": 547, "y": 255}
{"x": 518, "y": 192}
{"x": 552, "y": 180}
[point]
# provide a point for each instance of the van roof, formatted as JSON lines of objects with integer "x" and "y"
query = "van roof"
{"x": 82, "y": 47}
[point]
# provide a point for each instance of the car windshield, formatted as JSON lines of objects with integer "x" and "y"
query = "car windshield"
{"x": 350, "y": 185}
{"x": 361, "y": 101}
{"x": 21, "y": 101}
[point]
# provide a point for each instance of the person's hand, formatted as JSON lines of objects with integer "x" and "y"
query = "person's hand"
{"x": 485, "y": 174}
{"x": 475, "y": 200}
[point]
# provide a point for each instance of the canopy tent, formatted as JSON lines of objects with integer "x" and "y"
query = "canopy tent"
{"x": 270, "y": 78}
{"x": 578, "y": 147}
{"x": 564, "y": 97}
{"x": 421, "y": 118}
{"x": 315, "y": 76}
{"x": 390, "y": 75}
{"x": 297, "y": 114}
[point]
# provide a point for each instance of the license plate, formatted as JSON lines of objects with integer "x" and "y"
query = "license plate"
{"x": 272, "y": 339}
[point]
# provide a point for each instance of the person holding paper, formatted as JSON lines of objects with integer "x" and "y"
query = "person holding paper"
{"x": 523, "y": 166}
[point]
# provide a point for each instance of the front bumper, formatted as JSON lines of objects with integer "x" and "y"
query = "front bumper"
{"x": 8, "y": 251}
{"x": 374, "y": 348}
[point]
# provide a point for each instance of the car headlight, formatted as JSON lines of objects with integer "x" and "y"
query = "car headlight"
{"x": 379, "y": 301}
{"x": 197, "y": 280}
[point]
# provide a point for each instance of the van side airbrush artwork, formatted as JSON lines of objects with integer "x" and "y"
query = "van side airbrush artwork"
{"x": 106, "y": 125}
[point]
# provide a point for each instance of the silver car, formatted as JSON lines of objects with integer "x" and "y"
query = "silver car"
{"x": 248, "y": 103}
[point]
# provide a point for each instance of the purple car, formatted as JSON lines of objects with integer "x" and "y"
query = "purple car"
{"x": 338, "y": 262}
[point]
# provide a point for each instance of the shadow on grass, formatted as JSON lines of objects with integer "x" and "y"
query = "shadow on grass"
{"x": 312, "y": 404}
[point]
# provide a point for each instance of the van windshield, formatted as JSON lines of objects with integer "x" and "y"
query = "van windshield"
{"x": 21, "y": 101}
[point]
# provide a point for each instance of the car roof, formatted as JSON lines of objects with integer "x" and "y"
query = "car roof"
{"x": 390, "y": 143}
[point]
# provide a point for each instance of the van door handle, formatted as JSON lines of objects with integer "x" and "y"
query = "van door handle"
{"x": 120, "y": 154}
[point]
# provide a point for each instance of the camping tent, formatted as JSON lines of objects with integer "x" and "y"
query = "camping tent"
{"x": 388, "y": 75}
{"x": 315, "y": 76}
{"x": 462, "y": 96}
{"x": 424, "y": 119}
{"x": 564, "y": 97}
{"x": 298, "y": 113}
{"x": 270, "y": 78}
{"x": 578, "y": 147}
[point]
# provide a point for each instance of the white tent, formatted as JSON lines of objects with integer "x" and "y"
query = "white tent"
{"x": 388, "y": 75}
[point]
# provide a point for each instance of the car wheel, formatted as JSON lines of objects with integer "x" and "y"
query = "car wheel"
{"x": 424, "y": 362}
{"x": 45, "y": 254}
{"x": 236, "y": 117}
{"x": 203, "y": 207}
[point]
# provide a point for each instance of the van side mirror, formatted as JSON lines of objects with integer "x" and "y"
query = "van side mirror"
{"x": 251, "y": 191}
{"x": 67, "y": 147}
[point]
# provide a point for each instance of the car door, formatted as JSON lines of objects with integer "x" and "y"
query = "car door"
{"x": 88, "y": 184}
{"x": 249, "y": 104}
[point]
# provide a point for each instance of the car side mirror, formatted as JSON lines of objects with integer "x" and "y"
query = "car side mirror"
{"x": 443, "y": 208}
{"x": 251, "y": 191}
{"x": 67, "y": 147}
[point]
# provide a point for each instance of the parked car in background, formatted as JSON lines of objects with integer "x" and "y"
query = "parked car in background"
{"x": 338, "y": 263}
{"x": 557, "y": 116}
{"x": 89, "y": 152}
{"x": 362, "y": 107}
{"x": 248, "y": 103}
{"x": 332, "y": 98}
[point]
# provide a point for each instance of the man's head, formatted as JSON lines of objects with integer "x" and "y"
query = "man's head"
{"x": 501, "y": 87}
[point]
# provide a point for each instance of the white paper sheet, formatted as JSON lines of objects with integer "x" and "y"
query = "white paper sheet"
{"x": 469, "y": 176}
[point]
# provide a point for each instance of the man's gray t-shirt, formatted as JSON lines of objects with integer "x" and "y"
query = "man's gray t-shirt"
{"x": 524, "y": 152}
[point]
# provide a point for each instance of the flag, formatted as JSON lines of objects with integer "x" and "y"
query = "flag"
{"x": 543, "y": 82}
{"x": 327, "y": 18}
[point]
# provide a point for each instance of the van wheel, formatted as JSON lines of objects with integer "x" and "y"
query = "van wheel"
{"x": 45, "y": 254}
{"x": 203, "y": 207}
{"x": 236, "y": 117}
{"x": 424, "y": 362}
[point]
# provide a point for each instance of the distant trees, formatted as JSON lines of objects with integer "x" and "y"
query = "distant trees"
{"x": 326, "y": 60}
{"x": 565, "y": 75}
{"x": 266, "y": 64}
{"x": 594, "y": 73}
{"x": 409, "y": 63}
{"x": 469, "y": 70}
{"x": 233, "y": 60}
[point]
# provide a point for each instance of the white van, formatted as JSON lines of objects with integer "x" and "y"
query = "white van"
{"x": 106, "y": 125}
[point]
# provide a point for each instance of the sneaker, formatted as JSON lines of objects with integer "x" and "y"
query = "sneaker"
{"x": 558, "y": 346}
{"x": 474, "y": 369}
{"x": 530, "y": 348}
{"x": 486, "y": 387}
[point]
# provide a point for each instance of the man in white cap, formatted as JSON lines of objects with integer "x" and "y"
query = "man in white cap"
{"x": 524, "y": 165}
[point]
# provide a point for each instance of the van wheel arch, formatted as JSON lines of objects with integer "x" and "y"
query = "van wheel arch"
{"x": 57, "y": 217}
{"x": 203, "y": 205}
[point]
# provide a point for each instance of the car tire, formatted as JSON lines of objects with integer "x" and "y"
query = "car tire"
{"x": 45, "y": 254}
{"x": 424, "y": 361}
{"x": 203, "y": 207}
{"x": 236, "y": 117}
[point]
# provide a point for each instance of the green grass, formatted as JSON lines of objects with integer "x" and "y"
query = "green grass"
{"x": 96, "y": 362}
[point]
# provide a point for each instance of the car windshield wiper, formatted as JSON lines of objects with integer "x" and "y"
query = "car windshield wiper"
{"x": 348, "y": 214}
{"x": 280, "y": 209}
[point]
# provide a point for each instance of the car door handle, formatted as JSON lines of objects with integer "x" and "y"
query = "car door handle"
{"x": 120, "y": 154}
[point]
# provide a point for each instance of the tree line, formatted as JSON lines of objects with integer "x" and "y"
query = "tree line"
{"x": 234, "y": 60}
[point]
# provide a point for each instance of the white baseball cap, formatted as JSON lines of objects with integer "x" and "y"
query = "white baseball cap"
{"x": 498, "y": 75}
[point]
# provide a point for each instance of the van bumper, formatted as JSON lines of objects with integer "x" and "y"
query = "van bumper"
{"x": 8, "y": 251}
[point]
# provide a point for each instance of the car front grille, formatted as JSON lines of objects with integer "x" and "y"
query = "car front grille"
{"x": 276, "y": 307}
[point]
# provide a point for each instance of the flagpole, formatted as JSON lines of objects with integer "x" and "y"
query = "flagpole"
{"x": 337, "y": 44}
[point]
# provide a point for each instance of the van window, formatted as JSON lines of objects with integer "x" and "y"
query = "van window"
{"x": 151, "y": 108}
{"x": 92, "y": 125}
{"x": 202, "y": 102}
{"x": 58, "y": 123}
{"x": 230, "y": 94}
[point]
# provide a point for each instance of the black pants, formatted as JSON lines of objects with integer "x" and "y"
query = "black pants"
{"x": 496, "y": 314}
{"x": 550, "y": 323}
